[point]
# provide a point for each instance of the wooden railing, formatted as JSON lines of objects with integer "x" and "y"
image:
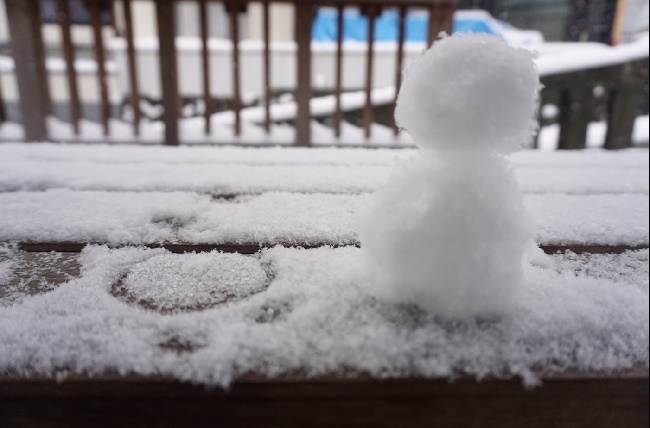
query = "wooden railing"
{"x": 28, "y": 52}
{"x": 609, "y": 93}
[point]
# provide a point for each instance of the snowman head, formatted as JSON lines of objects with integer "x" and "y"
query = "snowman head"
{"x": 470, "y": 92}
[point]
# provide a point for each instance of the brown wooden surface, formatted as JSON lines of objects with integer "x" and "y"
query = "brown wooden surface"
{"x": 168, "y": 69}
{"x": 401, "y": 29}
{"x": 371, "y": 13}
{"x": 266, "y": 31}
{"x": 304, "y": 15}
{"x": 133, "y": 68}
{"x": 28, "y": 53}
{"x": 575, "y": 401}
{"x": 233, "y": 13}
{"x": 63, "y": 12}
{"x": 205, "y": 64}
{"x": 100, "y": 59}
{"x": 338, "y": 114}
{"x": 183, "y": 247}
{"x": 622, "y": 110}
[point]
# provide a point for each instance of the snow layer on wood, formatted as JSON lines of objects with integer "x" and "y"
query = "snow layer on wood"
{"x": 113, "y": 170}
{"x": 606, "y": 219}
{"x": 591, "y": 56}
{"x": 131, "y": 217}
{"x": 630, "y": 266}
{"x": 318, "y": 317}
{"x": 103, "y": 153}
{"x": 172, "y": 282}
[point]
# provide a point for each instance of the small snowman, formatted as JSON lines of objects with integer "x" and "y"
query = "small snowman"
{"x": 449, "y": 231}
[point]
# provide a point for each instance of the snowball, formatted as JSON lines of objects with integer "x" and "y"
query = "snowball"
{"x": 449, "y": 238}
{"x": 470, "y": 92}
{"x": 449, "y": 231}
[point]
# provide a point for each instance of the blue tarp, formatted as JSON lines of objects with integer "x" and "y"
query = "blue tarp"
{"x": 355, "y": 26}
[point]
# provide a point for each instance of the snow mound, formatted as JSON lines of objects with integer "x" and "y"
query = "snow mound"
{"x": 170, "y": 282}
{"x": 450, "y": 240}
{"x": 449, "y": 230}
{"x": 470, "y": 92}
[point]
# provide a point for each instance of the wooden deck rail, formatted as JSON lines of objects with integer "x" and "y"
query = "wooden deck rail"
{"x": 573, "y": 92}
{"x": 25, "y": 20}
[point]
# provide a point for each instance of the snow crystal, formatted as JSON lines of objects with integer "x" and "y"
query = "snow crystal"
{"x": 449, "y": 229}
{"x": 319, "y": 316}
{"x": 171, "y": 282}
{"x": 470, "y": 91}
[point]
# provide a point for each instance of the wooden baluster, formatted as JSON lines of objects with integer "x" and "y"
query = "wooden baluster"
{"x": 63, "y": 13}
{"x": 133, "y": 70}
{"x": 24, "y": 22}
{"x": 303, "y": 21}
{"x": 339, "y": 70}
{"x": 100, "y": 58}
{"x": 233, "y": 11}
{"x": 371, "y": 12}
{"x": 205, "y": 62}
{"x": 168, "y": 69}
{"x": 623, "y": 104}
{"x": 267, "y": 66}
{"x": 400, "y": 58}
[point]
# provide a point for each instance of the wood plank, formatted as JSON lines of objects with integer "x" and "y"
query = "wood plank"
{"x": 184, "y": 247}
{"x": 63, "y": 12}
{"x": 578, "y": 400}
{"x": 371, "y": 13}
{"x": 27, "y": 48}
{"x": 338, "y": 115}
{"x": 233, "y": 7}
{"x": 303, "y": 19}
{"x": 168, "y": 70}
{"x": 100, "y": 58}
{"x": 133, "y": 69}
{"x": 267, "y": 66}
{"x": 205, "y": 64}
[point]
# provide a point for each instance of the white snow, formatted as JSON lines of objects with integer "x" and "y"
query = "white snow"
{"x": 152, "y": 217}
{"x": 448, "y": 232}
{"x": 240, "y": 170}
{"x": 470, "y": 92}
{"x": 172, "y": 282}
{"x": 318, "y": 317}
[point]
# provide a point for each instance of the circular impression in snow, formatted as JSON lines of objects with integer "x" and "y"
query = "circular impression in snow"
{"x": 181, "y": 282}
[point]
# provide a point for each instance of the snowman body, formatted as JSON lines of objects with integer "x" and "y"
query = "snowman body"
{"x": 449, "y": 230}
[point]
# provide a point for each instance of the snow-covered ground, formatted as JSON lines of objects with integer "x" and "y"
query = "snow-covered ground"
{"x": 150, "y": 312}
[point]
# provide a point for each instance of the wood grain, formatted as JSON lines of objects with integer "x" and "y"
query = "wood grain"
{"x": 113, "y": 401}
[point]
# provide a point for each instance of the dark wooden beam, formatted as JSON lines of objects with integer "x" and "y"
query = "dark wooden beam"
{"x": 303, "y": 22}
{"x": 168, "y": 69}
{"x": 566, "y": 400}
{"x": 29, "y": 58}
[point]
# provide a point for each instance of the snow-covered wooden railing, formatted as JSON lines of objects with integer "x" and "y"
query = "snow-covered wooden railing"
{"x": 28, "y": 52}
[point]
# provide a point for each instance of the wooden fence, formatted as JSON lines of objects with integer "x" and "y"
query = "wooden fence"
{"x": 573, "y": 93}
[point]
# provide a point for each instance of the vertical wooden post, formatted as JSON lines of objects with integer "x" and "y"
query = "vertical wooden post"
{"x": 304, "y": 18}
{"x": 399, "y": 60}
{"x": 100, "y": 59}
{"x": 233, "y": 8}
{"x": 168, "y": 69}
{"x": 133, "y": 69}
{"x": 622, "y": 107}
{"x": 63, "y": 12}
{"x": 205, "y": 63}
{"x": 28, "y": 52}
{"x": 440, "y": 19}
{"x": 574, "y": 116}
{"x": 267, "y": 66}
